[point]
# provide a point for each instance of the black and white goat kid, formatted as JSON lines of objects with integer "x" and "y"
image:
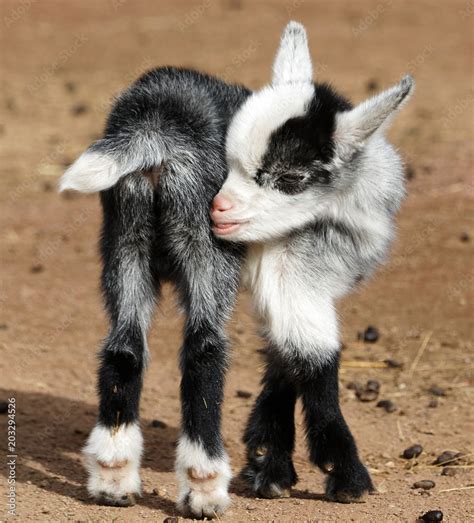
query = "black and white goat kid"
{"x": 311, "y": 186}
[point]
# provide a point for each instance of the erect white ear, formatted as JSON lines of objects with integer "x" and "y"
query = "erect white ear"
{"x": 357, "y": 125}
{"x": 292, "y": 62}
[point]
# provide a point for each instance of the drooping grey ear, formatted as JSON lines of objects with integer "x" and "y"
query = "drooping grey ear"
{"x": 354, "y": 127}
{"x": 292, "y": 62}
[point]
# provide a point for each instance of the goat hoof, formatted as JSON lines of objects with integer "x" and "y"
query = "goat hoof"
{"x": 203, "y": 481}
{"x": 112, "y": 459}
{"x": 125, "y": 500}
{"x": 273, "y": 491}
{"x": 353, "y": 489}
{"x": 270, "y": 477}
{"x": 204, "y": 503}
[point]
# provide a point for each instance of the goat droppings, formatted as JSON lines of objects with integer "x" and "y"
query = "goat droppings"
{"x": 431, "y": 517}
{"x": 425, "y": 484}
{"x": 412, "y": 452}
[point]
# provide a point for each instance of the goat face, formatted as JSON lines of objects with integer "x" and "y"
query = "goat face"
{"x": 290, "y": 145}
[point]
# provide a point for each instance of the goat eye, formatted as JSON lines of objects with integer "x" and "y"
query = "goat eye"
{"x": 291, "y": 178}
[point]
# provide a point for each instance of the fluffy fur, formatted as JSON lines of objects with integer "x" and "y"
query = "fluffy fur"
{"x": 311, "y": 187}
{"x": 312, "y": 190}
{"x": 203, "y": 481}
{"x": 112, "y": 457}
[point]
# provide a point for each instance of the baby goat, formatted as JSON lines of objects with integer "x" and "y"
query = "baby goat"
{"x": 312, "y": 188}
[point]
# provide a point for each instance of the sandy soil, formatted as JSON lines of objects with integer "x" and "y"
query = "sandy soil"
{"x": 61, "y": 63}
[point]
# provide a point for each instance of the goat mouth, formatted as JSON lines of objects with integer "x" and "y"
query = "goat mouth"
{"x": 221, "y": 229}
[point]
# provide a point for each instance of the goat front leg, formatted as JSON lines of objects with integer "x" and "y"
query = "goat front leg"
{"x": 270, "y": 435}
{"x": 304, "y": 334}
{"x": 114, "y": 448}
{"x": 331, "y": 444}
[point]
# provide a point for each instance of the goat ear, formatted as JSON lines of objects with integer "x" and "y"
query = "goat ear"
{"x": 292, "y": 62}
{"x": 354, "y": 127}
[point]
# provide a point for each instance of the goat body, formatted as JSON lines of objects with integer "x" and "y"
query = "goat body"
{"x": 300, "y": 181}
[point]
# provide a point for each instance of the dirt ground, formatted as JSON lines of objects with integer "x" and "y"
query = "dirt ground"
{"x": 60, "y": 65}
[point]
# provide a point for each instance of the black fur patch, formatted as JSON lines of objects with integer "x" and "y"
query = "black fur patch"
{"x": 296, "y": 151}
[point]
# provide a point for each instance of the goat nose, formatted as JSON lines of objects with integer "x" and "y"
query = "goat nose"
{"x": 221, "y": 204}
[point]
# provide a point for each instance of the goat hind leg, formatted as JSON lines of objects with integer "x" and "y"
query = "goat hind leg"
{"x": 113, "y": 450}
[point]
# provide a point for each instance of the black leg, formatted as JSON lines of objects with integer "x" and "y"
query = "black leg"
{"x": 114, "y": 447}
{"x": 208, "y": 289}
{"x": 331, "y": 444}
{"x": 270, "y": 436}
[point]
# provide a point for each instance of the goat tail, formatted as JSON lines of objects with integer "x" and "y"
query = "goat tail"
{"x": 109, "y": 159}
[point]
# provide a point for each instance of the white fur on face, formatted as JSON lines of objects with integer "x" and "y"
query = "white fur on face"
{"x": 262, "y": 114}
{"x": 112, "y": 458}
{"x": 268, "y": 213}
{"x": 203, "y": 481}
{"x": 264, "y": 213}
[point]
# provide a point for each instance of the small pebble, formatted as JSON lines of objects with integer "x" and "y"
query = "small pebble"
{"x": 412, "y": 452}
{"x": 387, "y": 405}
{"x": 437, "y": 391}
{"x": 431, "y": 517}
{"x": 394, "y": 364}
{"x": 36, "y": 268}
{"x": 243, "y": 394}
{"x": 250, "y": 507}
{"x": 448, "y": 471}
{"x": 70, "y": 87}
{"x": 3, "y": 407}
{"x": 158, "y": 424}
{"x": 79, "y": 109}
{"x": 370, "y": 335}
{"x": 171, "y": 519}
{"x": 433, "y": 404}
{"x": 425, "y": 484}
{"x": 464, "y": 237}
